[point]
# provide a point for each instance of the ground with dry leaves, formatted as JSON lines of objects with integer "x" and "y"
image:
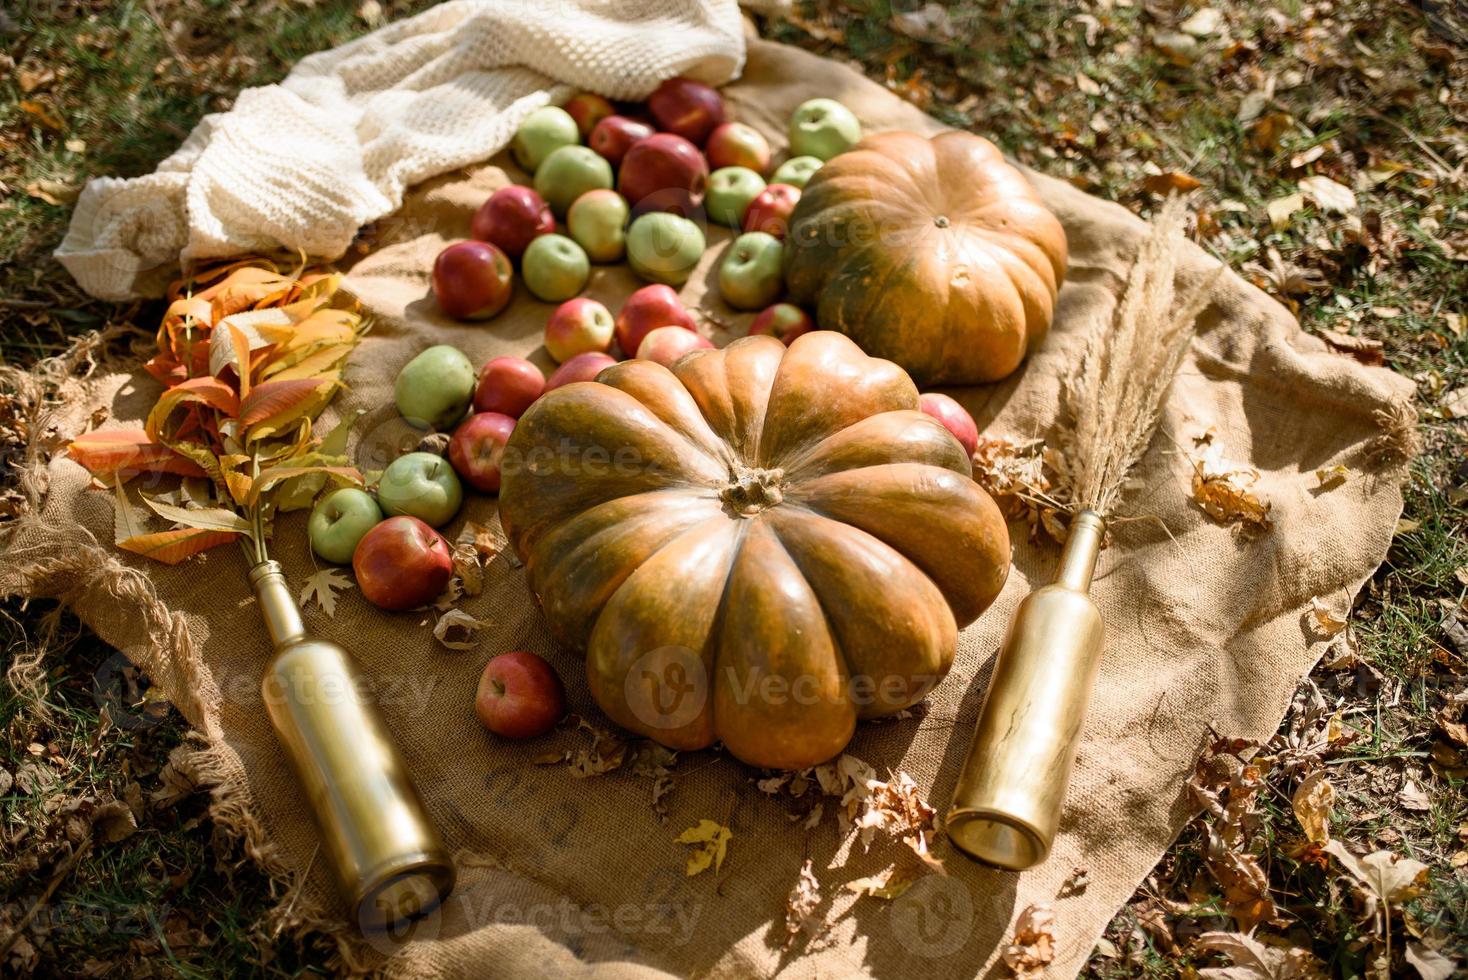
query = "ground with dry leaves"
{"x": 1324, "y": 149}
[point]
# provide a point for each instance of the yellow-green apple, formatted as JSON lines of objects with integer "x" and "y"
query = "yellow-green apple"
{"x": 402, "y": 563}
{"x": 588, "y": 109}
{"x": 338, "y": 522}
{"x": 512, "y": 218}
{"x": 478, "y": 447}
{"x": 955, "y": 418}
{"x": 690, "y": 109}
{"x": 731, "y": 189}
{"x": 507, "y": 385}
{"x": 822, "y": 128}
{"x": 555, "y": 268}
{"x": 663, "y": 247}
{"x": 783, "y": 321}
{"x": 664, "y": 172}
{"x": 570, "y": 172}
{"x": 576, "y": 327}
{"x": 770, "y": 211}
{"x": 749, "y": 276}
{"x": 519, "y": 696}
{"x": 598, "y": 223}
{"x": 796, "y": 171}
{"x": 734, "y": 144}
{"x": 647, "y": 309}
{"x": 433, "y": 390}
{"x": 666, "y": 344}
{"x": 472, "y": 280}
{"x": 544, "y": 131}
{"x": 614, "y": 136}
{"x": 421, "y": 485}
{"x": 582, "y": 367}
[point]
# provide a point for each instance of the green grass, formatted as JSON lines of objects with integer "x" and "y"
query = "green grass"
{"x": 1362, "y": 80}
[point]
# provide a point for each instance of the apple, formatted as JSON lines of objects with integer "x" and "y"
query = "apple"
{"x": 796, "y": 171}
{"x": 511, "y": 218}
{"x": 690, "y": 109}
{"x": 733, "y": 144}
{"x": 647, "y": 309}
{"x": 731, "y": 189}
{"x": 576, "y": 327}
{"x": 664, "y": 172}
{"x": 588, "y": 109}
{"x": 472, "y": 280}
{"x": 433, "y": 390}
{"x": 582, "y": 367}
{"x": 570, "y": 172}
{"x": 955, "y": 418}
{"x": 519, "y": 696}
{"x": 555, "y": 268}
{"x": 783, "y": 321}
{"x": 663, "y": 247}
{"x": 666, "y": 344}
{"x": 478, "y": 446}
{"x": 507, "y": 385}
{"x": 822, "y": 128}
{"x": 421, "y": 485}
{"x": 749, "y": 276}
{"x": 597, "y": 221}
{"x": 544, "y": 131}
{"x": 770, "y": 211}
{"x": 402, "y": 563}
{"x": 338, "y": 522}
{"x": 614, "y": 136}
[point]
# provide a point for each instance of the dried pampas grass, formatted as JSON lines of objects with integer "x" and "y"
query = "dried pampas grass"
{"x": 1115, "y": 397}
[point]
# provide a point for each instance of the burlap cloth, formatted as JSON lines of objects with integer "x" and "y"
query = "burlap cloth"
{"x": 564, "y": 876}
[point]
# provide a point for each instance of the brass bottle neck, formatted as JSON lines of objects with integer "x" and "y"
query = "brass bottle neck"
{"x": 277, "y": 607}
{"x": 1082, "y": 548}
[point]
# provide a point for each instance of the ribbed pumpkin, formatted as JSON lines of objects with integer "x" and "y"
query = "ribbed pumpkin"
{"x": 933, "y": 253}
{"x": 759, "y": 546}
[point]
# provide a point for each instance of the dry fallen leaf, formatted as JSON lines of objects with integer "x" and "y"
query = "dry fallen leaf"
{"x": 888, "y": 883}
{"x": 1033, "y": 946}
{"x": 1429, "y": 963}
{"x": 1393, "y": 879}
{"x": 710, "y": 840}
{"x": 458, "y": 630}
{"x": 1367, "y": 350}
{"x": 1312, "y": 804}
{"x": 1454, "y": 404}
{"x": 800, "y": 905}
{"x": 1331, "y": 477}
{"x": 323, "y": 587}
{"x": 1222, "y": 489}
{"x": 1325, "y": 619}
{"x": 1413, "y": 797}
{"x": 1253, "y": 960}
{"x": 1328, "y": 195}
{"x": 1281, "y": 209}
{"x": 1170, "y": 182}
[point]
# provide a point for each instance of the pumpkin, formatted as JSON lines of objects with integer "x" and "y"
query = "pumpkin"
{"x": 933, "y": 253}
{"x": 759, "y": 546}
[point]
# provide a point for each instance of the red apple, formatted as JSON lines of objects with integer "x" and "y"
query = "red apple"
{"x": 955, "y": 419}
{"x": 663, "y": 173}
{"x": 690, "y": 109}
{"x": 770, "y": 211}
{"x": 588, "y": 109}
{"x": 472, "y": 280}
{"x": 666, "y": 344}
{"x": 647, "y": 309}
{"x": 577, "y": 326}
{"x": 507, "y": 385}
{"x": 511, "y": 218}
{"x": 402, "y": 563}
{"x": 519, "y": 696}
{"x": 478, "y": 446}
{"x": 783, "y": 321}
{"x": 737, "y": 145}
{"x": 582, "y": 367}
{"x": 614, "y": 136}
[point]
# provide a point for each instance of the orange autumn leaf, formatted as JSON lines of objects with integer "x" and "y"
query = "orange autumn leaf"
{"x": 172, "y": 547}
{"x": 206, "y": 391}
{"x": 125, "y": 453}
{"x": 276, "y": 404}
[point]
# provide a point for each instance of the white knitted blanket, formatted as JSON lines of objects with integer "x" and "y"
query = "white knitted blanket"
{"x": 302, "y": 165}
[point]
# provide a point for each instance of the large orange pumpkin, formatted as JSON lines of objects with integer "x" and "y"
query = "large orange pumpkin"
{"x": 758, "y": 547}
{"x": 933, "y": 253}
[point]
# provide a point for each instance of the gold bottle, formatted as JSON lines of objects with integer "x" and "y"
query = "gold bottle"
{"x": 1006, "y": 807}
{"x": 384, "y": 851}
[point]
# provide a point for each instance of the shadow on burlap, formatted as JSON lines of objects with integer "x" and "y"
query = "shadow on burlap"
{"x": 559, "y": 875}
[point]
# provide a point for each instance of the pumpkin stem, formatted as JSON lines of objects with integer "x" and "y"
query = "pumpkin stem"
{"x": 750, "y": 489}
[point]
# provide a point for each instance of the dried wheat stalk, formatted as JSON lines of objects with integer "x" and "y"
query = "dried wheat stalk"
{"x": 1114, "y": 399}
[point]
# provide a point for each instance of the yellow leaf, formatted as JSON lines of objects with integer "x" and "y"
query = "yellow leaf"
{"x": 236, "y": 480}
{"x": 172, "y": 547}
{"x": 275, "y": 405}
{"x": 343, "y": 475}
{"x": 1328, "y": 195}
{"x": 711, "y": 840}
{"x": 1312, "y": 803}
{"x": 1282, "y": 208}
{"x": 323, "y": 587}
{"x": 202, "y": 518}
{"x": 1325, "y": 618}
{"x": 888, "y": 884}
{"x": 207, "y": 391}
{"x": 321, "y": 363}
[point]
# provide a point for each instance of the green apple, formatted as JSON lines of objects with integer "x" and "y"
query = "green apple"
{"x": 434, "y": 389}
{"x": 554, "y": 268}
{"x": 796, "y": 171}
{"x": 544, "y": 131}
{"x": 340, "y": 520}
{"x": 749, "y": 278}
{"x": 822, "y": 128}
{"x": 598, "y": 222}
{"x": 730, "y": 189}
{"x": 663, "y": 247}
{"x": 421, "y": 485}
{"x": 569, "y": 172}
